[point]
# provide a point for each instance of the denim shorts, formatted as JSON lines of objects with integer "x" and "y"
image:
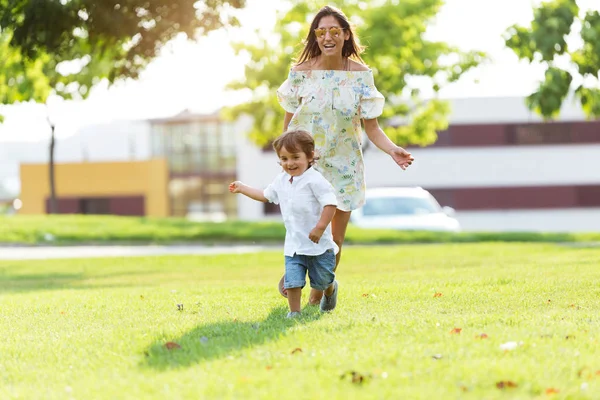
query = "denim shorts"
{"x": 320, "y": 270}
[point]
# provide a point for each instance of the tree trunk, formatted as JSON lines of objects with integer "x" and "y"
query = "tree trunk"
{"x": 53, "y": 206}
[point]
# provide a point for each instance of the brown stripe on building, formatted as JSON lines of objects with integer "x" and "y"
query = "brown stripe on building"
{"x": 546, "y": 133}
{"x": 516, "y": 197}
{"x": 114, "y": 205}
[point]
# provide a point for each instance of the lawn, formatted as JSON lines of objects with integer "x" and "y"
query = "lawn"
{"x": 105, "y": 229}
{"x": 472, "y": 321}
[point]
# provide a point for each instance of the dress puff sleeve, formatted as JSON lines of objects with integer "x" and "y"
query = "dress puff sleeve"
{"x": 371, "y": 101}
{"x": 287, "y": 94}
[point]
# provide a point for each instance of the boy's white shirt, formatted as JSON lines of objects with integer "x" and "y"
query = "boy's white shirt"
{"x": 302, "y": 202}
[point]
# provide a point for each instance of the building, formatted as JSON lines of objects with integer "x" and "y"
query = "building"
{"x": 201, "y": 153}
{"x": 498, "y": 165}
{"x": 179, "y": 166}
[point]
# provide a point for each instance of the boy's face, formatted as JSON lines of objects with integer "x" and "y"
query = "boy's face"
{"x": 294, "y": 163}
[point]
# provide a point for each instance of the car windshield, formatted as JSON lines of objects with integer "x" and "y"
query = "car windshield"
{"x": 382, "y": 206}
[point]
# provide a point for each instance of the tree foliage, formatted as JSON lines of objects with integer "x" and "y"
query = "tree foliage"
{"x": 397, "y": 51}
{"x": 109, "y": 39}
{"x": 567, "y": 70}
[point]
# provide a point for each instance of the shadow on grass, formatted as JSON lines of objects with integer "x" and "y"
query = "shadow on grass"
{"x": 218, "y": 340}
{"x": 59, "y": 281}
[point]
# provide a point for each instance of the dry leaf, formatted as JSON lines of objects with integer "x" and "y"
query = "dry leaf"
{"x": 437, "y": 295}
{"x": 585, "y": 372}
{"x": 552, "y": 391}
{"x": 482, "y": 336}
{"x": 506, "y": 385}
{"x": 297, "y": 350}
{"x": 455, "y": 331}
{"x": 356, "y": 377}
{"x": 172, "y": 345}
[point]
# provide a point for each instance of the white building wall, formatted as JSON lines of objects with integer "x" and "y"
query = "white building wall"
{"x": 463, "y": 167}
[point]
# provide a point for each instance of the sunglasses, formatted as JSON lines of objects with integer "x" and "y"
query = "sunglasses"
{"x": 334, "y": 31}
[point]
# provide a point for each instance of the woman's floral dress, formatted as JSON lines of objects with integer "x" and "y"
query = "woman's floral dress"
{"x": 330, "y": 104}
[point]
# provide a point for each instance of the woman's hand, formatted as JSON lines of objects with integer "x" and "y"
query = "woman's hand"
{"x": 402, "y": 157}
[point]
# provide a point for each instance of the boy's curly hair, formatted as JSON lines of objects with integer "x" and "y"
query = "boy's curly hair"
{"x": 296, "y": 141}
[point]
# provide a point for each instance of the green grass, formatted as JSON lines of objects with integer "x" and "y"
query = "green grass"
{"x": 77, "y": 229}
{"x": 97, "y": 328}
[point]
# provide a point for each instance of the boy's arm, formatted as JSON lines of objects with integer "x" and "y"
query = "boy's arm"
{"x": 249, "y": 191}
{"x": 326, "y": 217}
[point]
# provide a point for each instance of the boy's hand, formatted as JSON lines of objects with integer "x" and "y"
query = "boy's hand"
{"x": 316, "y": 234}
{"x": 236, "y": 187}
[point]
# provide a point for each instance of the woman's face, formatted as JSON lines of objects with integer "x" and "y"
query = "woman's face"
{"x": 331, "y": 36}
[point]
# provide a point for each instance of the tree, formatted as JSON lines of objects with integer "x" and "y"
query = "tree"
{"x": 568, "y": 70}
{"x": 110, "y": 40}
{"x": 397, "y": 51}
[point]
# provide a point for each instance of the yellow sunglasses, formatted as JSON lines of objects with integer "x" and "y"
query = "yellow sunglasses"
{"x": 334, "y": 31}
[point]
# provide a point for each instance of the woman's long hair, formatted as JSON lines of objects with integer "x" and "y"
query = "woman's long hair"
{"x": 351, "y": 49}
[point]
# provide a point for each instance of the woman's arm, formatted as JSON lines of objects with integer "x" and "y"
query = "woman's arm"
{"x": 376, "y": 135}
{"x": 286, "y": 120}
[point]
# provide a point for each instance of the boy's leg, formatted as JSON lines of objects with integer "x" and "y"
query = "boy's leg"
{"x": 295, "y": 279}
{"x": 339, "y": 224}
{"x": 321, "y": 271}
{"x": 294, "y": 296}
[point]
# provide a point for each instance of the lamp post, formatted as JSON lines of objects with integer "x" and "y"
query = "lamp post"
{"x": 53, "y": 209}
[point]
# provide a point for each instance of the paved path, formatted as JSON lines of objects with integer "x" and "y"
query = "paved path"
{"x": 48, "y": 252}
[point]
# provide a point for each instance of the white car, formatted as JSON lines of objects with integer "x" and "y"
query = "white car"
{"x": 410, "y": 208}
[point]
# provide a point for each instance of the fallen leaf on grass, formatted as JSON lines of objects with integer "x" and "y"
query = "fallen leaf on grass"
{"x": 552, "y": 391}
{"x": 481, "y": 336}
{"x": 296, "y": 350}
{"x": 356, "y": 377}
{"x": 455, "y": 331}
{"x": 506, "y": 385}
{"x": 437, "y": 295}
{"x": 172, "y": 345}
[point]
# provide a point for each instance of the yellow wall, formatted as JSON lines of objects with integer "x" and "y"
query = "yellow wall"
{"x": 92, "y": 179}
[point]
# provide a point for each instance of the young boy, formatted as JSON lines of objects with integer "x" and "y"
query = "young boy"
{"x": 308, "y": 203}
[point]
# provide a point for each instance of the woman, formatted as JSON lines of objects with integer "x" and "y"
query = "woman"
{"x": 328, "y": 92}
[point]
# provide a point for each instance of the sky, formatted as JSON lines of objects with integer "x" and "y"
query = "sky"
{"x": 193, "y": 75}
